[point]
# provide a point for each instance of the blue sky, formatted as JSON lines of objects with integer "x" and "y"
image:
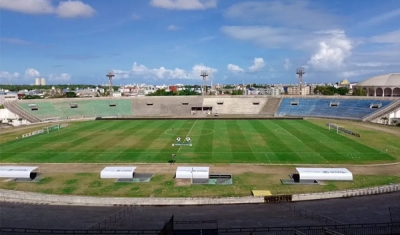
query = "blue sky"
{"x": 172, "y": 41}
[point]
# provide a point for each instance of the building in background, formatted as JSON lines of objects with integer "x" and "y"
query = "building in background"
{"x": 40, "y": 81}
{"x": 294, "y": 90}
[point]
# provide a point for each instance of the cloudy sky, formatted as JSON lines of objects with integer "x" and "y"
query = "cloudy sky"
{"x": 172, "y": 41}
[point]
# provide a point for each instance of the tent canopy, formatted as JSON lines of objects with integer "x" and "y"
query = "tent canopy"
{"x": 342, "y": 174}
{"x": 23, "y": 172}
{"x": 117, "y": 172}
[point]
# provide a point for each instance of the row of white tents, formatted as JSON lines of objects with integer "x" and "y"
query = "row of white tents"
{"x": 126, "y": 172}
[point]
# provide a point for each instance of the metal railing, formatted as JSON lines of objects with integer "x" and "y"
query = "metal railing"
{"x": 112, "y": 219}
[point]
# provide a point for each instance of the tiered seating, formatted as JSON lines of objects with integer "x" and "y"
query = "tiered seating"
{"x": 271, "y": 106}
{"x": 83, "y": 109}
{"x": 243, "y": 105}
{"x": 165, "y": 106}
{"x": 44, "y": 109}
{"x": 62, "y": 108}
{"x": 334, "y": 108}
{"x": 104, "y": 108}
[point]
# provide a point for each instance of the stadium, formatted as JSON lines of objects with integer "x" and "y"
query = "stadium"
{"x": 225, "y": 153}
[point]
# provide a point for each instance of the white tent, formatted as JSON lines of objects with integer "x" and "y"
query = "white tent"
{"x": 192, "y": 172}
{"x": 341, "y": 174}
{"x": 16, "y": 171}
{"x": 117, "y": 172}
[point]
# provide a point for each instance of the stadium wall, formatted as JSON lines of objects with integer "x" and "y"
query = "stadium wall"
{"x": 29, "y": 197}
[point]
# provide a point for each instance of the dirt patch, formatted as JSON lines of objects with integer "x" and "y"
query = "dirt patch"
{"x": 182, "y": 182}
{"x": 60, "y": 168}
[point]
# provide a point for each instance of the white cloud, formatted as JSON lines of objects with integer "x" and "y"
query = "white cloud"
{"x": 390, "y": 37}
{"x": 372, "y": 64}
{"x": 7, "y": 76}
{"x": 289, "y": 13}
{"x": 258, "y": 65}
{"x": 266, "y": 36}
{"x": 16, "y": 41}
{"x": 360, "y": 72}
{"x": 287, "y": 65}
{"x": 64, "y": 77}
{"x": 333, "y": 50}
{"x": 136, "y": 16}
{"x": 234, "y": 68}
{"x": 65, "y": 9}
{"x": 184, "y": 4}
{"x": 172, "y": 27}
{"x": 383, "y": 17}
{"x": 28, "y": 6}
{"x": 162, "y": 72}
{"x": 31, "y": 73}
{"x": 73, "y": 9}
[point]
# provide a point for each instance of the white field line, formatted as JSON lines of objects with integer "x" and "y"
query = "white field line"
{"x": 318, "y": 154}
{"x": 263, "y": 152}
{"x": 187, "y": 135}
{"x": 235, "y": 164}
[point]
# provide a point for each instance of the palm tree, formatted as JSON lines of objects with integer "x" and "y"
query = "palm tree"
{"x": 384, "y": 119}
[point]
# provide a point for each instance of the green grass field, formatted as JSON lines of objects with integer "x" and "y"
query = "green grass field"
{"x": 214, "y": 141}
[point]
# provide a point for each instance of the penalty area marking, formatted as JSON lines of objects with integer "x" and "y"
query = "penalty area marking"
{"x": 286, "y": 133}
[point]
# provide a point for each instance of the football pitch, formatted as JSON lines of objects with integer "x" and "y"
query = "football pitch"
{"x": 212, "y": 141}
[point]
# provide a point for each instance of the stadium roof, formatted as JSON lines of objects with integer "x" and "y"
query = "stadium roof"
{"x": 388, "y": 80}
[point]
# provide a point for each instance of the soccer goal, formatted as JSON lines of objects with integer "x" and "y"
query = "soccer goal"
{"x": 341, "y": 129}
{"x": 333, "y": 126}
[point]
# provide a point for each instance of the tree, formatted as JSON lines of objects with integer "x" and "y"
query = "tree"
{"x": 342, "y": 90}
{"x": 384, "y": 119}
{"x": 187, "y": 92}
{"x": 237, "y": 92}
{"x": 70, "y": 94}
{"x": 358, "y": 91}
{"x": 162, "y": 92}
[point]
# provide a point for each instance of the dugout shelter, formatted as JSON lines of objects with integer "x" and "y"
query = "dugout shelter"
{"x": 339, "y": 174}
{"x": 117, "y": 172}
{"x": 19, "y": 172}
{"x": 192, "y": 172}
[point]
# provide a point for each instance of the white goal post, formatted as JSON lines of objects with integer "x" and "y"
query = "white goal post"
{"x": 333, "y": 126}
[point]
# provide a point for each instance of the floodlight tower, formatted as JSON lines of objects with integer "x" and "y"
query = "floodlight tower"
{"x": 204, "y": 75}
{"x": 211, "y": 84}
{"x": 110, "y": 75}
{"x": 300, "y": 71}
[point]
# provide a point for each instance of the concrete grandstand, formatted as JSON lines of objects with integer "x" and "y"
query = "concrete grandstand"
{"x": 342, "y": 107}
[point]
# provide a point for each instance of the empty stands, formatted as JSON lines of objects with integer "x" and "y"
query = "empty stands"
{"x": 176, "y": 106}
{"x": 331, "y": 108}
{"x": 230, "y": 105}
{"x": 76, "y": 108}
{"x": 271, "y": 106}
{"x": 165, "y": 106}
